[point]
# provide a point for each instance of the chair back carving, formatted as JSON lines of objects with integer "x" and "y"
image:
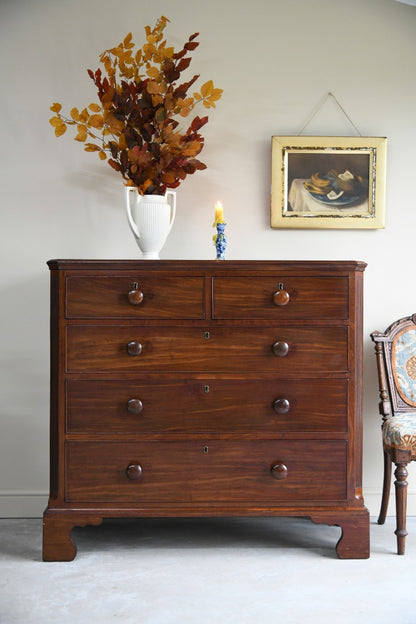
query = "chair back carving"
{"x": 396, "y": 364}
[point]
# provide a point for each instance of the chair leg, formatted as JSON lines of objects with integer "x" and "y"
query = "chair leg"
{"x": 386, "y": 488}
{"x": 401, "y": 504}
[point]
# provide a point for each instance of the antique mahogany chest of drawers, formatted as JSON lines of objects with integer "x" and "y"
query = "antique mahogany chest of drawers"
{"x": 205, "y": 388}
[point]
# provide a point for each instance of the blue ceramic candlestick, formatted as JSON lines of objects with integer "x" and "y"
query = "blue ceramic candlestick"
{"x": 221, "y": 241}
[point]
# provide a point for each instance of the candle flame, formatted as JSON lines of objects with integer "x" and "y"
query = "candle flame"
{"x": 219, "y": 213}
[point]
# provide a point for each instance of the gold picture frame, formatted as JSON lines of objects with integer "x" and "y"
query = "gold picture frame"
{"x": 328, "y": 182}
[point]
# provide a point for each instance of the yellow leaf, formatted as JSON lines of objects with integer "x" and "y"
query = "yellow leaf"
{"x": 55, "y": 121}
{"x": 138, "y": 57}
{"x": 127, "y": 41}
{"x": 153, "y": 87}
{"x": 122, "y": 143}
{"x": 156, "y": 100}
{"x": 91, "y": 147}
{"x": 216, "y": 94}
{"x": 96, "y": 108}
{"x": 75, "y": 114}
{"x": 96, "y": 121}
{"x": 152, "y": 72}
{"x": 102, "y": 155}
{"x": 148, "y": 49}
{"x": 82, "y": 133}
{"x": 56, "y": 107}
{"x": 166, "y": 52}
{"x": 207, "y": 88}
{"x": 83, "y": 116}
{"x": 60, "y": 129}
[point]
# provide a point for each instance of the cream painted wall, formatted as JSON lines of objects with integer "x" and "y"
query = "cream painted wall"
{"x": 275, "y": 60}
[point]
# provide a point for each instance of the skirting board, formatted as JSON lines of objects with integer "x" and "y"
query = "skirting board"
{"x": 33, "y": 504}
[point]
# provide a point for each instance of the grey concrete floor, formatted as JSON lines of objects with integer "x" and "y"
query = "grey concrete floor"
{"x": 225, "y": 571}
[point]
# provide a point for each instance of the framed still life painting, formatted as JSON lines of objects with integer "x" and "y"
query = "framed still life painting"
{"x": 328, "y": 182}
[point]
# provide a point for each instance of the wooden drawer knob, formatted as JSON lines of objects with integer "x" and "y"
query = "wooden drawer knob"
{"x": 281, "y": 297}
{"x": 280, "y": 348}
{"x": 134, "y": 348}
{"x": 134, "y": 472}
{"x": 281, "y": 406}
{"x": 135, "y": 295}
{"x": 279, "y": 471}
{"x": 134, "y": 406}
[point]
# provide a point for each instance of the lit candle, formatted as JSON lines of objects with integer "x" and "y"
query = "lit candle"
{"x": 219, "y": 213}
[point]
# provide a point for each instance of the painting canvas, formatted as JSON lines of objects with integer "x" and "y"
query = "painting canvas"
{"x": 328, "y": 182}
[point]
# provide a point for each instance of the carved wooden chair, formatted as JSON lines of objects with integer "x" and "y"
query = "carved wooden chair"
{"x": 396, "y": 365}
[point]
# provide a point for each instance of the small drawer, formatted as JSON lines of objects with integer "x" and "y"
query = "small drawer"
{"x": 137, "y": 296}
{"x": 280, "y": 297}
{"x": 214, "y": 471}
{"x": 219, "y": 349}
{"x": 206, "y": 405}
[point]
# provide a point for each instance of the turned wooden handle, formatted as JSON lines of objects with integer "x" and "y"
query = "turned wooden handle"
{"x": 134, "y": 472}
{"x": 281, "y": 406}
{"x": 134, "y": 406}
{"x": 135, "y": 295}
{"x": 281, "y": 297}
{"x": 279, "y": 471}
{"x": 134, "y": 348}
{"x": 280, "y": 348}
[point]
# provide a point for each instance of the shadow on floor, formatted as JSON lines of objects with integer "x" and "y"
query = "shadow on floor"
{"x": 208, "y": 533}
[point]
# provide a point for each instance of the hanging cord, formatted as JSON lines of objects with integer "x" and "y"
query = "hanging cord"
{"x": 328, "y": 95}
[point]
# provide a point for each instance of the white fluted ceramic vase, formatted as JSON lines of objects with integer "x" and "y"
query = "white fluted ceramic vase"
{"x": 150, "y": 218}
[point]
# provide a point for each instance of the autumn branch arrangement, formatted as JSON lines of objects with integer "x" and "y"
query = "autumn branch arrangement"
{"x": 136, "y": 123}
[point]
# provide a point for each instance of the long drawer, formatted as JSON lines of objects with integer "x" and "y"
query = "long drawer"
{"x": 220, "y": 349}
{"x": 261, "y": 297}
{"x": 189, "y": 472}
{"x": 138, "y": 296}
{"x": 209, "y": 405}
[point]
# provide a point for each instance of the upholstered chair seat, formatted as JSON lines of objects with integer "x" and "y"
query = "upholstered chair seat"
{"x": 399, "y": 432}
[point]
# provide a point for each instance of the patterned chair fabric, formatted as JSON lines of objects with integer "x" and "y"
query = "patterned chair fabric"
{"x": 399, "y": 432}
{"x": 404, "y": 365}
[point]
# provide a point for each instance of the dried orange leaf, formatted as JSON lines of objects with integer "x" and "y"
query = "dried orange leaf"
{"x": 91, "y": 147}
{"x": 82, "y": 133}
{"x": 96, "y": 121}
{"x": 127, "y": 41}
{"x": 102, "y": 155}
{"x": 153, "y": 87}
{"x": 152, "y": 72}
{"x": 207, "y": 88}
{"x": 60, "y": 129}
{"x": 56, "y": 107}
{"x": 83, "y": 116}
{"x": 122, "y": 143}
{"x": 96, "y": 108}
